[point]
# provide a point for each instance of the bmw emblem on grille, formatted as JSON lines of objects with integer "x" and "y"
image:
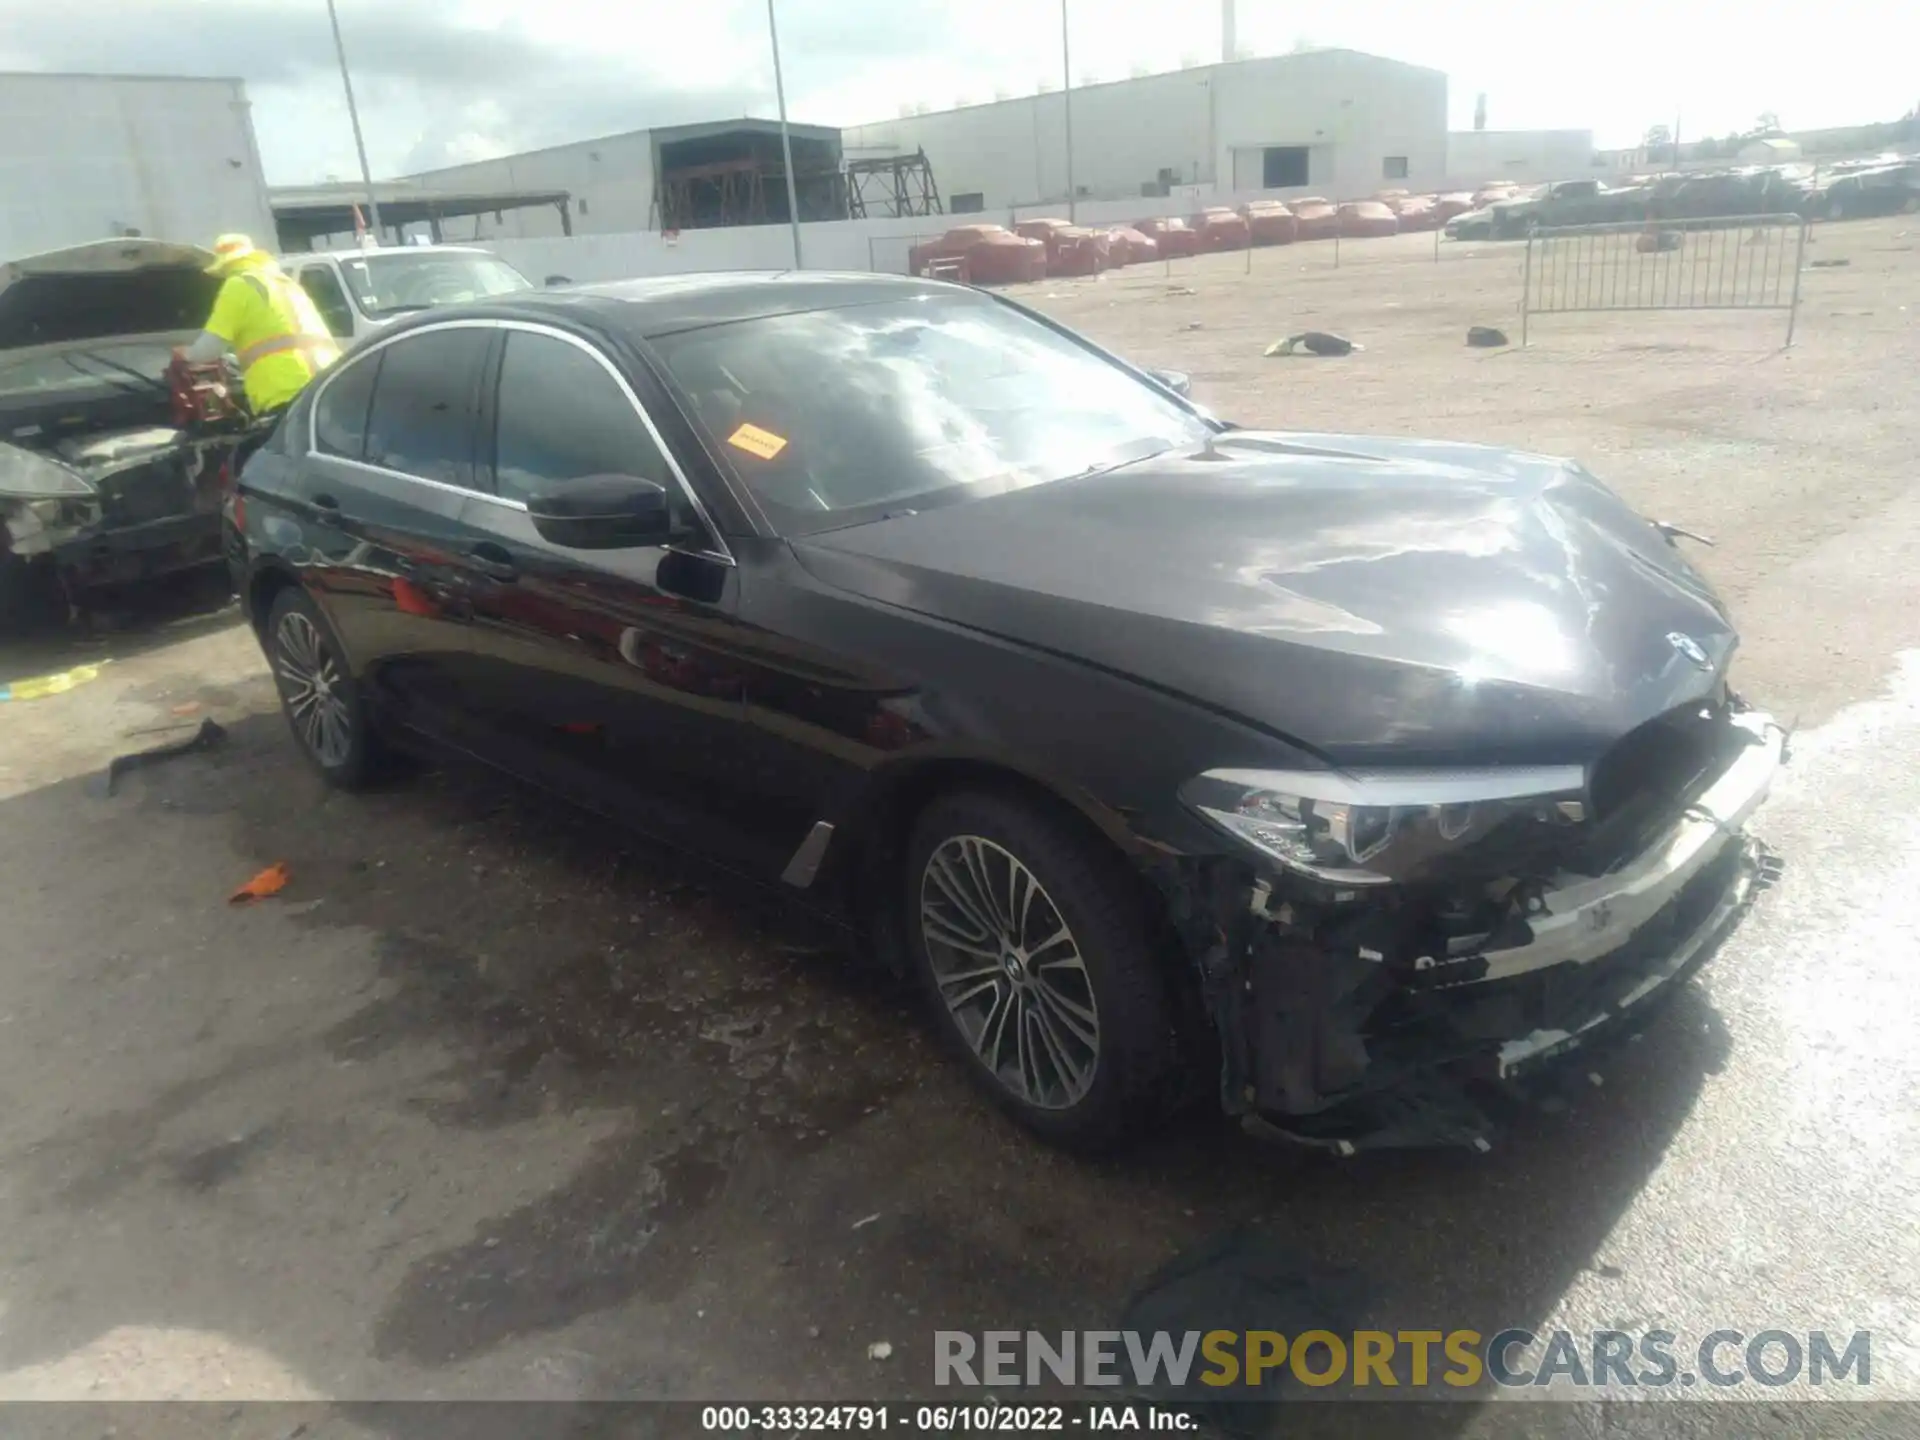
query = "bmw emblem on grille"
{"x": 1690, "y": 648}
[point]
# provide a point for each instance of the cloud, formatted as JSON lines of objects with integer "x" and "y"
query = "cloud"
{"x": 264, "y": 43}
{"x": 442, "y": 81}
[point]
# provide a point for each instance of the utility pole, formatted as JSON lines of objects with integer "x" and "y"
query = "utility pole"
{"x": 353, "y": 114}
{"x": 786, "y": 141}
{"x": 1066, "y": 94}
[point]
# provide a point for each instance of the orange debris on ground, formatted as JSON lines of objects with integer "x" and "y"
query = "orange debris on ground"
{"x": 270, "y": 881}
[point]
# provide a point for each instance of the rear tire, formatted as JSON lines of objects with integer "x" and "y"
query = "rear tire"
{"x": 321, "y": 700}
{"x": 1033, "y": 949}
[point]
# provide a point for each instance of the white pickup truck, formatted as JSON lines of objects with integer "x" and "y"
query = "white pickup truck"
{"x": 358, "y": 292}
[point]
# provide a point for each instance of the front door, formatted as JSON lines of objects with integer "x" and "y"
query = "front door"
{"x": 611, "y": 673}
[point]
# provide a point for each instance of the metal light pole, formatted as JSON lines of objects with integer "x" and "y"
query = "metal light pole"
{"x": 786, "y": 140}
{"x": 1066, "y": 94}
{"x": 353, "y": 114}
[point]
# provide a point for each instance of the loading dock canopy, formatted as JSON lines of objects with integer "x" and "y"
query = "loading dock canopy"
{"x": 732, "y": 172}
{"x": 305, "y": 212}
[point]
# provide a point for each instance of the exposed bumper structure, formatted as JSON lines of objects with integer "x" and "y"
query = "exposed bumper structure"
{"x": 1369, "y": 1046}
{"x": 141, "y": 552}
{"x": 1585, "y": 919}
{"x": 150, "y": 506}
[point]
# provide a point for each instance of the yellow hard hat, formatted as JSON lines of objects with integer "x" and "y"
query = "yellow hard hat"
{"x": 230, "y": 252}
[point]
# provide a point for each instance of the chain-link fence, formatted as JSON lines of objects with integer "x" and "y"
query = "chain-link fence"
{"x": 1743, "y": 262}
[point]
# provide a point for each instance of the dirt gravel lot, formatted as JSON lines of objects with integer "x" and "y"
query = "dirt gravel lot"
{"x": 1697, "y": 418}
{"x": 496, "y": 1101}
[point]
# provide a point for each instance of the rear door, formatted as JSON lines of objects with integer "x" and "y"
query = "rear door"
{"x": 383, "y": 502}
{"x": 615, "y": 672}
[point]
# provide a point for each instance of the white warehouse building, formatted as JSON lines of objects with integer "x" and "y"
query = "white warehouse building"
{"x": 729, "y": 172}
{"x": 89, "y": 157}
{"x": 1336, "y": 123}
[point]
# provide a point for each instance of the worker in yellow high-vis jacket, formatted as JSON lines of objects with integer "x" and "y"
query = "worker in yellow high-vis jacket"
{"x": 269, "y": 323}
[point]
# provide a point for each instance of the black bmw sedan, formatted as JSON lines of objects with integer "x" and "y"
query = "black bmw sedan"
{"x": 1356, "y": 779}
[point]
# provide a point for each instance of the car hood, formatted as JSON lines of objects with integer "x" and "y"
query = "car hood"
{"x": 1372, "y": 600}
{"x": 106, "y": 288}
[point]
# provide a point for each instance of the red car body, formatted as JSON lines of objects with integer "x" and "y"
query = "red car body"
{"x": 1314, "y": 218}
{"x": 992, "y": 255}
{"x": 1221, "y": 229}
{"x": 1071, "y": 249}
{"x": 1173, "y": 235}
{"x": 1130, "y": 247}
{"x": 1367, "y": 219}
{"x": 1415, "y": 212}
{"x": 1269, "y": 222}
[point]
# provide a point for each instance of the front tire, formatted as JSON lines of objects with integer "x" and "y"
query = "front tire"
{"x": 318, "y": 694}
{"x": 1032, "y": 947}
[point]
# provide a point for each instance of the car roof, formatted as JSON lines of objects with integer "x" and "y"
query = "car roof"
{"x": 665, "y": 304}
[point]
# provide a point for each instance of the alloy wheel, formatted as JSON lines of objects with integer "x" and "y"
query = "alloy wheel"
{"x": 1009, "y": 971}
{"x": 311, "y": 685}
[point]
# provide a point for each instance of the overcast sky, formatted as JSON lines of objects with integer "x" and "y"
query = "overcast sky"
{"x": 447, "y": 80}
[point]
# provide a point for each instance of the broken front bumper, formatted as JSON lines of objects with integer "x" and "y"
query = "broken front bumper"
{"x": 1589, "y": 920}
{"x": 1350, "y": 1050}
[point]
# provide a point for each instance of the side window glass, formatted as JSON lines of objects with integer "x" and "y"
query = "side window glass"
{"x": 561, "y": 416}
{"x": 422, "y": 419}
{"x": 329, "y": 299}
{"x": 340, "y": 417}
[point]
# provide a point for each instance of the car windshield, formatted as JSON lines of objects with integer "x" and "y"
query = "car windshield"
{"x": 129, "y": 365}
{"x": 393, "y": 283}
{"x": 836, "y": 417}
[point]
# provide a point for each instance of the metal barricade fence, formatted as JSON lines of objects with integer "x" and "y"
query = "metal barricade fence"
{"x": 1743, "y": 262}
{"x": 1349, "y": 243}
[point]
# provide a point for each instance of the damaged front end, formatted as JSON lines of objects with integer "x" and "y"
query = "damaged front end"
{"x": 102, "y": 480}
{"x": 113, "y": 507}
{"x": 1404, "y": 1001}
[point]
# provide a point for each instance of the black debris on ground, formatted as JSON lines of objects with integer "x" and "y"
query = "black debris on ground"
{"x": 210, "y": 734}
{"x": 1313, "y": 342}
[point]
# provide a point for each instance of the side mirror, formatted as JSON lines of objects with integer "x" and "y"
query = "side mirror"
{"x": 1175, "y": 380}
{"x": 554, "y": 282}
{"x": 603, "y": 512}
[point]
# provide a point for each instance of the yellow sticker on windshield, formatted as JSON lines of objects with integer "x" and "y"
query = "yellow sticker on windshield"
{"x": 755, "y": 441}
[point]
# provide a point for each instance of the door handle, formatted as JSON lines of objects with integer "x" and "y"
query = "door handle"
{"x": 327, "y": 503}
{"x": 493, "y": 561}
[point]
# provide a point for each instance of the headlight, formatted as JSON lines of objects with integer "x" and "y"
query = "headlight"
{"x": 1374, "y": 829}
{"x": 25, "y": 475}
